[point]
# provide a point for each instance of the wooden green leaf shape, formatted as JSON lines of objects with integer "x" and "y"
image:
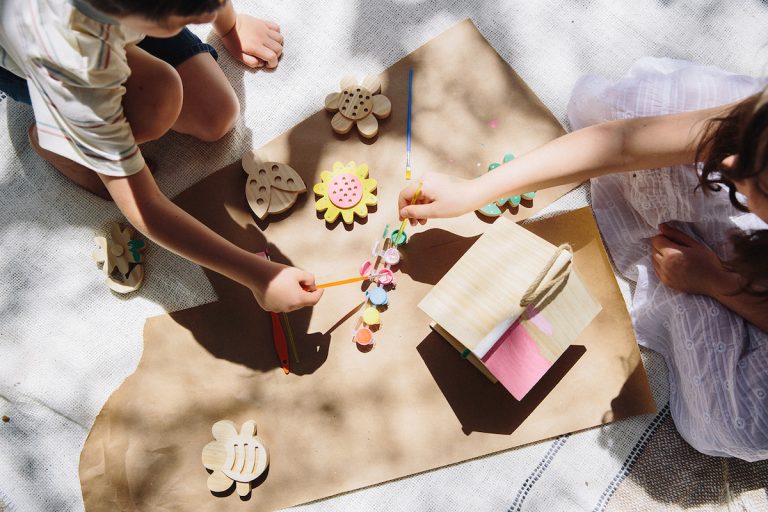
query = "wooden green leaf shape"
{"x": 495, "y": 209}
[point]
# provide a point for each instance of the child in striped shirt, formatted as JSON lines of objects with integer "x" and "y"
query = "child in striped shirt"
{"x": 103, "y": 76}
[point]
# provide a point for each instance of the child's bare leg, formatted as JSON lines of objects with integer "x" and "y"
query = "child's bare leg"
{"x": 210, "y": 107}
{"x": 79, "y": 174}
{"x": 152, "y": 103}
{"x": 153, "y": 95}
{"x": 196, "y": 99}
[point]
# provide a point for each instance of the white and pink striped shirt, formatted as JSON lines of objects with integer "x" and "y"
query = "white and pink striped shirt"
{"x": 74, "y": 61}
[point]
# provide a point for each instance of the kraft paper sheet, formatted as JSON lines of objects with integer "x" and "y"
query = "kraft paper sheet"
{"x": 345, "y": 419}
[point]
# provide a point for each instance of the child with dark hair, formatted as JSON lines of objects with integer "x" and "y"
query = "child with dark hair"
{"x": 106, "y": 75}
{"x": 693, "y": 237}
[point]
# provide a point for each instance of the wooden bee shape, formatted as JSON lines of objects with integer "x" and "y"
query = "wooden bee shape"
{"x": 271, "y": 187}
{"x": 234, "y": 458}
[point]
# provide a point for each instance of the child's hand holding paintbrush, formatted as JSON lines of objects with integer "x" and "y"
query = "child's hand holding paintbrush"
{"x": 437, "y": 195}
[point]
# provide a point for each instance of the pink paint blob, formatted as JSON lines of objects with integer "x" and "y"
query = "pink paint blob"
{"x": 386, "y": 277}
{"x": 392, "y": 256}
{"x": 536, "y": 318}
{"x": 516, "y": 361}
{"x": 494, "y": 124}
{"x": 345, "y": 190}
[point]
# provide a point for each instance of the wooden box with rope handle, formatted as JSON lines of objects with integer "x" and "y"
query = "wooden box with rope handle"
{"x": 511, "y": 305}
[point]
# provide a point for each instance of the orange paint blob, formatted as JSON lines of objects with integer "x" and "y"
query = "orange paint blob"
{"x": 364, "y": 336}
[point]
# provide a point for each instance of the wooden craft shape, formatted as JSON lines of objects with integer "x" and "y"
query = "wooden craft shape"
{"x": 496, "y": 208}
{"x": 516, "y": 340}
{"x": 358, "y": 104}
{"x": 464, "y": 351}
{"x": 271, "y": 187}
{"x": 346, "y": 190}
{"x": 234, "y": 458}
{"x": 121, "y": 259}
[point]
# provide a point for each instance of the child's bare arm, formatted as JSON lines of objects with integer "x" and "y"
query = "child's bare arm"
{"x": 751, "y": 308}
{"x": 254, "y": 42}
{"x": 685, "y": 265}
{"x": 276, "y": 287}
{"x": 638, "y": 143}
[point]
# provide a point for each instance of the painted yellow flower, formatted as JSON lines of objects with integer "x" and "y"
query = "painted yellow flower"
{"x": 346, "y": 190}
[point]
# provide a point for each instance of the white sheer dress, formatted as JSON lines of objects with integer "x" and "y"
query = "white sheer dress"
{"x": 718, "y": 362}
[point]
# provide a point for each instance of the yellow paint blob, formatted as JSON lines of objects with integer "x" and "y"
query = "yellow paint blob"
{"x": 371, "y": 316}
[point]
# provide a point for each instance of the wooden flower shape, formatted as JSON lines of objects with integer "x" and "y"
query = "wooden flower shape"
{"x": 234, "y": 458}
{"x": 347, "y": 191}
{"x": 361, "y": 104}
{"x": 271, "y": 187}
{"x": 120, "y": 256}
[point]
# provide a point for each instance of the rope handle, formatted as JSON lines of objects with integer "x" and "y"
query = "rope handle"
{"x": 533, "y": 292}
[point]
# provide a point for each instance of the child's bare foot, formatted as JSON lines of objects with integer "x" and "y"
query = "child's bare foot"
{"x": 82, "y": 176}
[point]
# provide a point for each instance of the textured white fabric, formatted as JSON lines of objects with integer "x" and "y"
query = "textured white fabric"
{"x": 75, "y": 68}
{"x": 66, "y": 342}
{"x": 718, "y": 362}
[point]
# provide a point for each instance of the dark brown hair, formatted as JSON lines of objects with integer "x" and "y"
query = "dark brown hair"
{"x": 743, "y": 131}
{"x": 156, "y": 10}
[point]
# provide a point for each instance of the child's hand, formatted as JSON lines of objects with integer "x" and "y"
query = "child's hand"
{"x": 441, "y": 196}
{"x": 254, "y": 42}
{"x": 287, "y": 289}
{"x": 685, "y": 265}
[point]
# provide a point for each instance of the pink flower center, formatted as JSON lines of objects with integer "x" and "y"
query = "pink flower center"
{"x": 345, "y": 191}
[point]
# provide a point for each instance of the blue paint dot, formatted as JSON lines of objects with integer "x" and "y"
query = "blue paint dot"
{"x": 377, "y": 296}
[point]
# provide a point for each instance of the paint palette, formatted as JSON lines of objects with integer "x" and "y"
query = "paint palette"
{"x": 538, "y": 307}
{"x": 385, "y": 257}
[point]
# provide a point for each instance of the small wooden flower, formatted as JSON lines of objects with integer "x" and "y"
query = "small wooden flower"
{"x": 358, "y": 104}
{"x": 271, "y": 187}
{"x": 234, "y": 458}
{"x": 347, "y": 191}
{"x": 120, "y": 256}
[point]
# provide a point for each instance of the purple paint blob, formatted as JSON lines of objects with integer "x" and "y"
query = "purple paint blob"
{"x": 536, "y": 318}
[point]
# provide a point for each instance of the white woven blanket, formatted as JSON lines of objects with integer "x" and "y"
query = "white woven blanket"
{"x": 66, "y": 342}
